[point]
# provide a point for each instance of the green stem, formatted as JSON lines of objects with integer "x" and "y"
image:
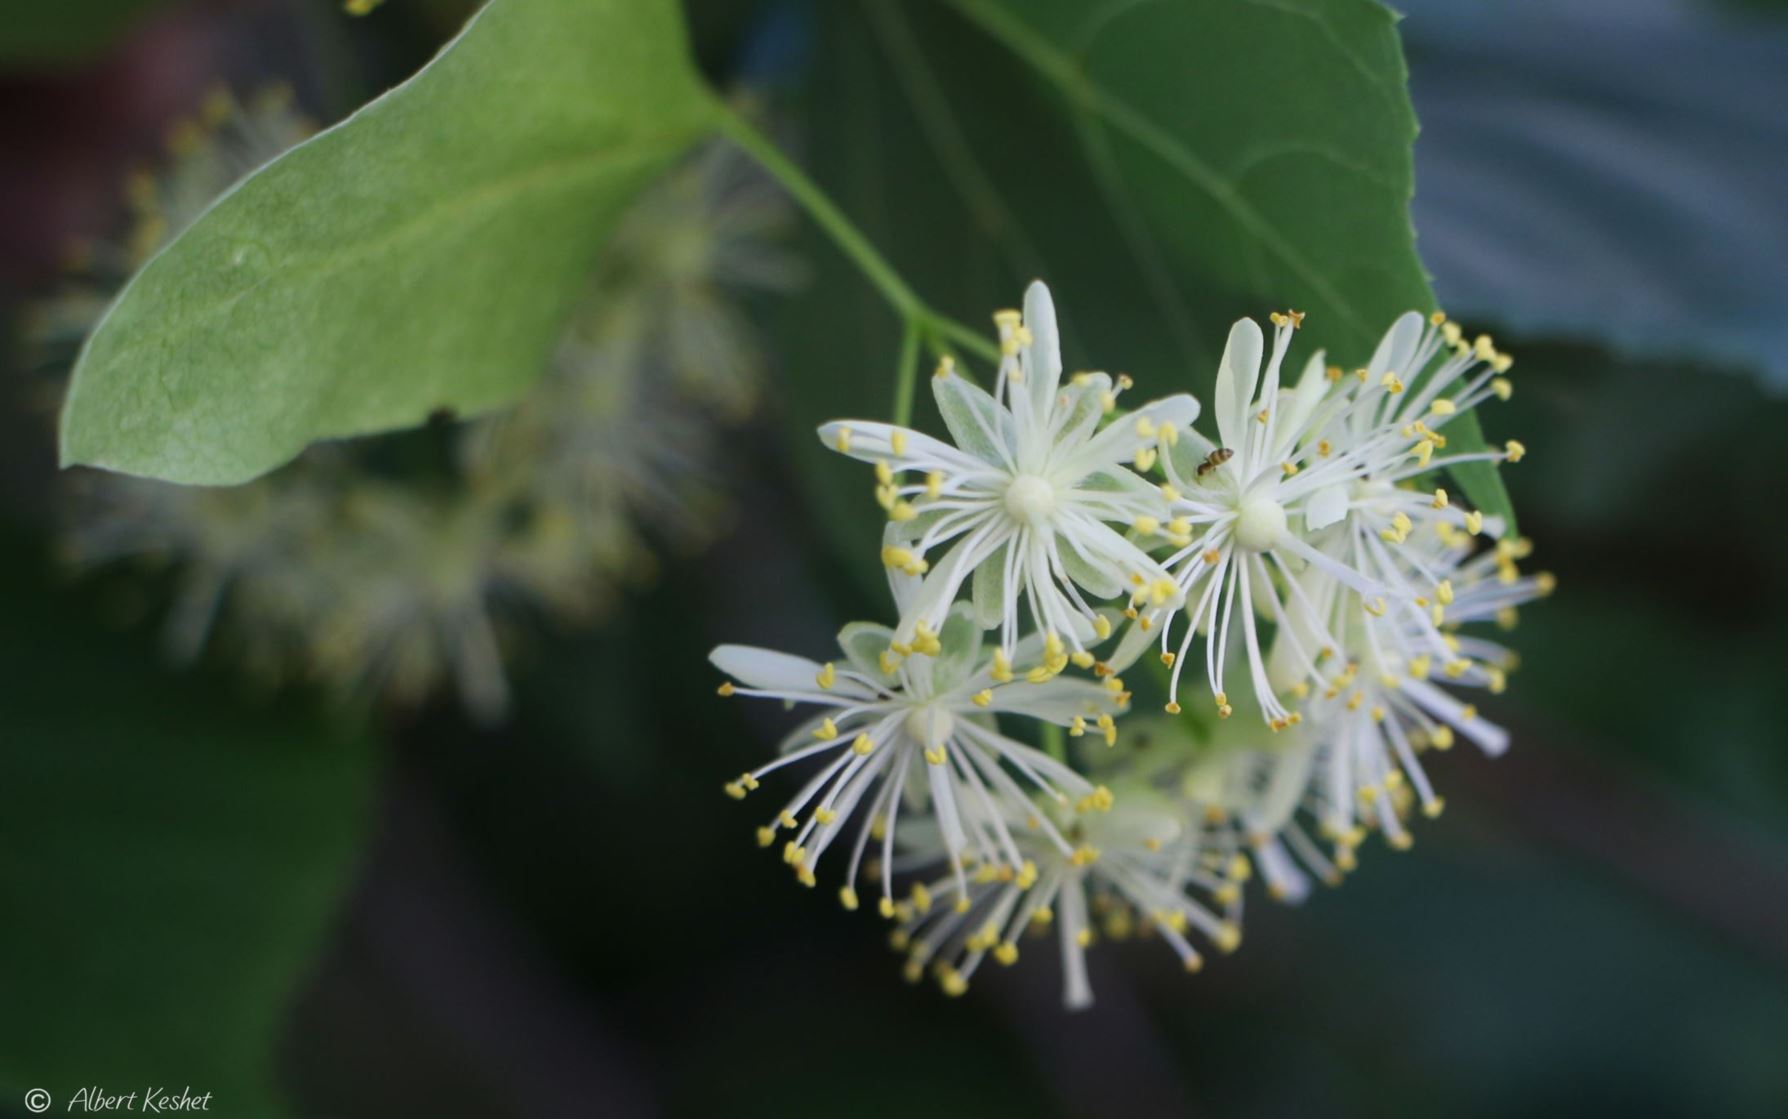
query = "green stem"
{"x": 923, "y": 325}
{"x": 905, "y": 374}
{"x": 967, "y": 337}
{"x": 1055, "y": 744}
{"x": 848, "y": 238}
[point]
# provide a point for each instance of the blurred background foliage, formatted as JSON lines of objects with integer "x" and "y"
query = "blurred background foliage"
{"x": 399, "y": 911}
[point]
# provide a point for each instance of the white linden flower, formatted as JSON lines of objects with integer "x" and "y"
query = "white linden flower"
{"x": 898, "y": 732}
{"x": 1422, "y": 377}
{"x": 1131, "y": 865}
{"x": 1244, "y": 789}
{"x": 1025, "y": 499}
{"x": 1392, "y": 699}
{"x": 1251, "y": 511}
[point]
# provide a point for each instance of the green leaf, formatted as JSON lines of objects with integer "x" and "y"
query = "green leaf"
{"x": 170, "y": 863}
{"x": 420, "y": 256}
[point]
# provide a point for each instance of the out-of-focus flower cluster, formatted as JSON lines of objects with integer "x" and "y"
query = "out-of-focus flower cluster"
{"x": 1303, "y": 559}
{"x": 389, "y": 568}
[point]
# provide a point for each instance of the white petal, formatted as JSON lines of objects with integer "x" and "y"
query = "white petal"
{"x": 1397, "y": 349}
{"x": 1044, "y": 374}
{"x": 868, "y": 441}
{"x": 1326, "y": 506}
{"x": 770, "y": 671}
{"x": 1123, "y": 437}
{"x": 1236, "y": 376}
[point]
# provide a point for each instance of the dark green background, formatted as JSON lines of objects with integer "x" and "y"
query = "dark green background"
{"x": 402, "y": 915}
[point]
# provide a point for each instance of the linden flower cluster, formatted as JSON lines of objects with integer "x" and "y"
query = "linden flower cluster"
{"x": 336, "y": 570}
{"x": 1309, "y": 548}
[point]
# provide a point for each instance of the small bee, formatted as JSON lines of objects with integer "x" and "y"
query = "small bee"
{"x": 1215, "y": 459}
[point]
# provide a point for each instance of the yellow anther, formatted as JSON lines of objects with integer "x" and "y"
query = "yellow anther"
{"x": 1440, "y": 499}
{"x": 1325, "y": 448}
{"x": 1145, "y": 460}
{"x": 1148, "y": 526}
{"x": 848, "y": 897}
{"x": 1006, "y": 954}
{"x": 1474, "y": 522}
{"x": 826, "y": 731}
{"x": 884, "y": 474}
{"x": 824, "y": 815}
{"x": 1084, "y": 855}
{"x": 787, "y": 818}
{"x": 1166, "y": 434}
{"x": 921, "y": 897}
{"x": 1099, "y": 800}
{"x": 1545, "y": 582}
{"x": 827, "y": 675}
{"x": 946, "y": 365}
{"x": 1374, "y": 606}
{"x": 1516, "y": 450}
{"x": 792, "y": 852}
{"x": 935, "y": 755}
{"x": 734, "y": 790}
{"x": 1229, "y": 937}
{"x": 1502, "y": 387}
{"x": 952, "y": 982}
{"x": 902, "y": 511}
{"x": 1108, "y": 727}
{"x": 1002, "y": 666}
{"x": 766, "y": 836}
{"x": 1211, "y": 556}
{"x": 1172, "y": 707}
{"x": 1101, "y": 626}
{"x": 1391, "y": 383}
{"x": 1422, "y": 451}
{"x": 983, "y": 697}
{"x": 1433, "y": 808}
{"x": 1483, "y": 347}
{"x": 1437, "y": 317}
{"x": 1263, "y": 415}
{"x": 886, "y": 907}
{"x": 925, "y": 640}
{"x": 844, "y": 439}
{"x": 1468, "y": 713}
{"x": 1442, "y": 407}
{"x": 1081, "y": 658}
{"x": 724, "y": 689}
{"x": 1077, "y": 727}
{"x": 1443, "y": 591}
